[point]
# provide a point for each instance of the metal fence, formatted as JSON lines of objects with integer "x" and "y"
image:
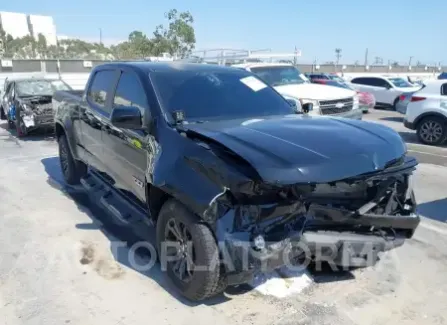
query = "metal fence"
{"x": 80, "y": 66}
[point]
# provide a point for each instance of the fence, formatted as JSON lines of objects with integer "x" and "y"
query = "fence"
{"x": 75, "y": 72}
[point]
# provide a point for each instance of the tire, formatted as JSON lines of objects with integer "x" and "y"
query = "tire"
{"x": 199, "y": 284}
{"x": 20, "y": 129}
{"x": 394, "y": 107}
{"x": 2, "y": 114}
{"x": 432, "y": 130}
{"x": 72, "y": 170}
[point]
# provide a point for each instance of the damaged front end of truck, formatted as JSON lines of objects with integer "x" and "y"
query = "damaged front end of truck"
{"x": 262, "y": 225}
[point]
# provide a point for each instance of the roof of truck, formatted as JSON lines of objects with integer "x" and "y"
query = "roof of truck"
{"x": 170, "y": 66}
{"x": 259, "y": 65}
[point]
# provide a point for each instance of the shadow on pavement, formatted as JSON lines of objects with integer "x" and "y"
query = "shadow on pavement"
{"x": 399, "y": 119}
{"x": 435, "y": 210}
{"x": 121, "y": 238}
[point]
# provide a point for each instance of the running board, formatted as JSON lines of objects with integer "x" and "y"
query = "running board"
{"x": 116, "y": 205}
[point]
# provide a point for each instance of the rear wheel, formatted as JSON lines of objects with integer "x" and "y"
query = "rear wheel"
{"x": 72, "y": 170}
{"x": 188, "y": 252}
{"x": 432, "y": 130}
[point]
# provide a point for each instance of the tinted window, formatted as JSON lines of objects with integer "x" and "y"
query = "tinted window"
{"x": 101, "y": 86}
{"x": 444, "y": 89}
{"x": 360, "y": 81}
{"x": 279, "y": 75}
{"x": 401, "y": 83}
{"x": 130, "y": 92}
{"x": 221, "y": 94}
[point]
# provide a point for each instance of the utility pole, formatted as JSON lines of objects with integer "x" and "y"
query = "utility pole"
{"x": 409, "y": 62}
{"x": 100, "y": 36}
{"x": 337, "y": 55}
{"x": 366, "y": 57}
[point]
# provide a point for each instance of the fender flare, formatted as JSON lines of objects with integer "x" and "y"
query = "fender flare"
{"x": 61, "y": 128}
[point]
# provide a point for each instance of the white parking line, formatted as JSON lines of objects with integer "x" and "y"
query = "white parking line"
{"x": 427, "y": 153}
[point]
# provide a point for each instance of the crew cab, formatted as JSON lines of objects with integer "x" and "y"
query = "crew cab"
{"x": 26, "y": 103}
{"x": 233, "y": 178}
{"x": 293, "y": 85}
{"x": 386, "y": 90}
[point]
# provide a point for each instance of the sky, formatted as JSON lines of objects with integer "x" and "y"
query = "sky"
{"x": 391, "y": 29}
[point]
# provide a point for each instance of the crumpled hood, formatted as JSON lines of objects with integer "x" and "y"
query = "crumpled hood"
{"x": 302, "y": 149}
{"x": 315, "y": 91}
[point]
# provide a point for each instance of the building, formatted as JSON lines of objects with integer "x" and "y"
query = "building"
{"x": 19, "y": 25}
{"x": 15, "y": 24}
{"x": 43, "y": 25}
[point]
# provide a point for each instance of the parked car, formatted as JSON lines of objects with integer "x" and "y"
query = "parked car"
{"x": 426, "y": 112}
{"x": 26, "y": 103}
{"x": 442, "y": 76}
{"x": 224, "y": 167}
{"x": 366, "y": 100}
{"x": 386, "y": 90}
{"x": 293, "y": 85}
{"x": 325, "y": 76}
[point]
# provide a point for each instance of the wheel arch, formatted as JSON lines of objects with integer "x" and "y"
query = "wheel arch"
{"x": 429, "y": 114}
{"x": 61, "y": 129}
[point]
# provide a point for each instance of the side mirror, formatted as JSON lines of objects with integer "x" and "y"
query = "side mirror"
{"x": 307, "y": 107}
{"x": 127, "y": 117}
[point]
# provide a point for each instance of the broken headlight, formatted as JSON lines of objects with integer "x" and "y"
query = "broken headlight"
{"x": 410, "y": 187}
{"x": 26, "y": 110}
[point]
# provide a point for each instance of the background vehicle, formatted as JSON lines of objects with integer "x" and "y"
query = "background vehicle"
{"x": 325, "y": 76}
{"x": 26, "y": 103}
{"x": 366, "y": 100}
{"x": 292, "y": 84}
{"x": 442, "y": 76}
{"x": 216, "y": 159}
{"x": 426, "y": 112}
{"x": 385, "y": 90}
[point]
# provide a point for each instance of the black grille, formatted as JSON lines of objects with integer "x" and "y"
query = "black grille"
{"x": 329, "y": 107}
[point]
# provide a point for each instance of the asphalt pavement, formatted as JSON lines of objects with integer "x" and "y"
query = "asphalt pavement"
{"x": 58, "y": 264}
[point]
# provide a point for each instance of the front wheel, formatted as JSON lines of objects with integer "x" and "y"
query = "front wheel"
{"x": 432, "y": 130}
{"x": 2, "y": 113}
{"x": 20, "y": 128}
{"x": 72, "y": 170}
{"x": 188, "y": 252}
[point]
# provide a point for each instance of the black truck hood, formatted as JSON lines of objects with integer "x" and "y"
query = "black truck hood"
{"x": 303, "y": 149}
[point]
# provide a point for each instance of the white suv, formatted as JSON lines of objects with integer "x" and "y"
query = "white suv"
{"x": 386, "y": 90}
{"x": 427, "y": 112}
{"x": 294, "y": 86}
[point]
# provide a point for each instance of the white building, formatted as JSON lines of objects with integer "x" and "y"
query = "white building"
{"x": 20, "y": 25}
{"x": 14, "y": 24}
{"x": 43, "y": 25}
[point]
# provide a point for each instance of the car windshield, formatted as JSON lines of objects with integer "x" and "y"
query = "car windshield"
{"x": 338, "y": 84}
{"x": 40, "y": 87}
{"x": 335, "y": 78}
{"x": 401, "y": 83}
{"x": 212, "y": 95}
{"x": 280, "y": 75}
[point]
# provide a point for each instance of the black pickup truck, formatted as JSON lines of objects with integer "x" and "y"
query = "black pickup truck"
{"x": 232, "y": 177}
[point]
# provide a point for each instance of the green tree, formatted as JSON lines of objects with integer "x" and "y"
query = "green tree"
{"x": 41, "y": 46}
{"x": 179, "y": 38}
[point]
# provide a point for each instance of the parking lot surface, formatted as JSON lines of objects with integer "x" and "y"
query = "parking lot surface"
{"x": 58, "y": 264}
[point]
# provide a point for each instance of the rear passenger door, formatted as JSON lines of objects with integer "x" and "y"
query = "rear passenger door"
{"x": 124, "y": 149}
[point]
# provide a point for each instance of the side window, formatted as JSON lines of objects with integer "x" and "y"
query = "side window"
{"x": 360, "y": 81}
{"x": 444, "y": 89}
{"x": 382, "y": 83}
{"x": 100, "y": 87}
{"x": 130, "y": 92}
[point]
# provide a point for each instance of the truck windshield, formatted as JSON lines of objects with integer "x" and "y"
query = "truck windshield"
{"x": 215, "y": 95}
{"x": 280, "y": 75}
{"x": 43, "y": 87}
